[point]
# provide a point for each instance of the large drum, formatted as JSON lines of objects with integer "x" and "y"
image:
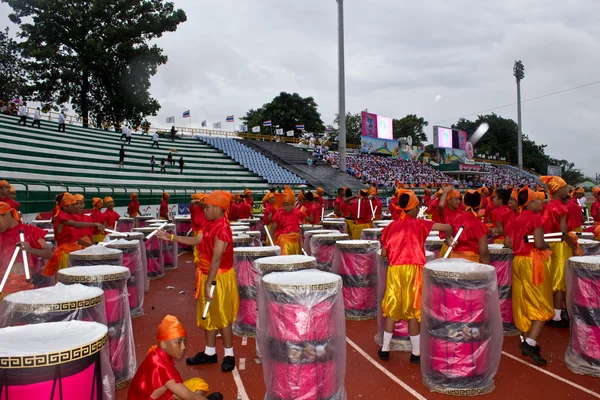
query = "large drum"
{"x": 583, "y": 300}
{"x": 400, "y": 338}
{"x": 139, "y": 236}
{"x": 169, "y": 249}
{"x": 322, "y": 247}
{"x": 302, "y": 317}
{"x": 501, "y": 258}
{"x": 254, "y": 234}
{"x": 132, "y": 260}
{"x": 434, "y": 244}
{"x": 241, "y": 240}
{"x": 246, "y": 273}
{"x": 140, "y": 220}
{"x": 461, "y": 327}
{"x": 356, "y": 262}
{"x": 382, "y": 223}
{"x": 154, "y": 254}
{"x": 39, "y": 280}
{"x": 371, "y": 234}
{"x": 183, "y": 224}
{"x": 125, "y": 224}
{"x": 589, "y": 247}
{"x": 585, "y": 235}
{"x": 253, "y": 223}
{"x": 113, "y": 280}
{"x": 240, "y": 229}
{"x": 338, "y": 224}
{"x": 309, "y": 234}
{"x": 307, "y": 227}
{"x": 95, "y": 255}
{"x": 42, "y": 224}
{"x": 55, "y": 360}
{"x": 50, "y": 239}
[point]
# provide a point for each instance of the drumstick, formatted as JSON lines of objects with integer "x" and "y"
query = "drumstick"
{"x": 548, "y": 237}
{"x": 358, "y": 216}
{"x": 116, "y": 223}
{"x": 329, "y": 215}
{"x": 154, "y": 232}
{"x": 107, "y": 243}
{"x": 460, "y": 231}
{"x": 322, "y": 213}
{"x": 372, "y": 209}
{"x": 212, "y": 291}
{"x": 10, "y": 265}
{"x": 269, "y": 236}
{"x": 25, "y": 259}
{"x": 115, "y": 233}
{"x": 421, "y": 212}
{"x": 190, "y": 231}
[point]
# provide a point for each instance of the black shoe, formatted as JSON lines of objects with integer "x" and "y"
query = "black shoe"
{"x": 563, "y": 323}
{"x": 383, "y": 355}
{"x": 415, "y": 359}
{"x": 537, "y": 349}
{"x": 228, "y": 364}
{"x": 215, "y": 396}
{"x": 202, "y": 358}
{"x": 530, "y": 351}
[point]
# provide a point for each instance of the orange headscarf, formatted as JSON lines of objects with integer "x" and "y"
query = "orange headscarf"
{"x": 107, "y": 199}
{"x": 97, "y": 203}
{"x": 541, "y": 195}
{"x": 201, "y": 197}
{"x": 596, "y": 191}
{"x": 515, "y": 195}
{"x": 554, "y": 183}
{"x": 12, "y": 189}
{"x": 4, "y": 208}
{"x": 133, "y": 196}
{"x": 67, "y": 200}
{"x": 268, "y": 196}
{"x": 413, "y": 201}
{"x": 170, "y": 328}
{"x": 288, "y": 195}
{"x": 79, "y": 197}
{"x": 247, "y": 192}
{"x": 219, "y": 198}
{"x": 320, "y": 191}
{"x": 453, "y": 194}
{"x": 531, "y": 196}
{"x": 373, "y": 191}
{"x": 439, "y": 193}
{"x": 300, "y": 196}
{"x": 4, "y": 183}
{"x": 166, "y": 195}
{"x": 579, "y": 190}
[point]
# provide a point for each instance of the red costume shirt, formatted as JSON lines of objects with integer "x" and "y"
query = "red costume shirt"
{"x": 404, "y": 240}
{"x": 133, "y": 209}
{"x": 111, "y": 218}
{"x": 366, "y": 213}
{"x": 68, "y": 234}
{"x": 523, "y": 225}
{"x": 269, "y": 210}
{"x": 198, "y": 218}
{"x": 474, "y": 230}
{"x": 243, "y": 210}
{"x": 164, "y": 209}
{"x": 448, "y": 218}
{"x": 156, "y": 370}
{"x": 595, "y": 210}
{"x": 288, "y": 222}
{"x": 434, "y": 210}
{"x": 339, "y": 202}
{"x": 97, "y": 217}
{"x": 9, "y": 239}
{"x": 552, "y": 215}
{"x": 220, "y": 229}
{"x": 11, "y": 203}
{"x": 314, "y": 210}
{"x": 232, "y": 213}
{"x": 575, "y": 214}
{"x": 488, "y": 211}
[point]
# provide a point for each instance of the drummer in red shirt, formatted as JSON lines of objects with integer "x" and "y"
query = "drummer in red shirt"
{"x": 502, "y": 214}
{"x": 5, "y": 195}
{"x": 248, "y": 198}
{"x": 312, "y": 209}
{"x": 133, "y": 209}
{"x": 98, "y": 217}
{"x": 163, "y": 211}
{"x": 244, "y": 209}
{"x": 361, "y": 211}
{"x": 285, "y": 229}
{"x": 84, "y": 234}
{"x": 269, "y": 213}
{"x": 320, "y": 197}
{"x": 377, "y": 205}
{"x": 35, "y": 246}
{"x": 575, "y": 218}
{"x": 449, "y": 209}
{"x": 472, "y": 244}
{"x": 595, "y": 209}
{"x": 110, "y": 214}
{"x": 338, "y": 204}
{"x": 433, "y": 207}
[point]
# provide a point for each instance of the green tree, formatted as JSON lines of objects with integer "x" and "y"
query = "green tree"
{"x": 286, "y": 111}
{"x": 95, "y": 54}
{"x": 412, "y": 126}
{"x": 353, "y": 127}
{"x": 13, "y": 82}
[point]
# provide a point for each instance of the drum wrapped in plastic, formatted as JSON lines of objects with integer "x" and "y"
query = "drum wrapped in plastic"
{"x": 501, "y": 258}
{"x": 304, "y": 334}
{"x": 183, "y": 225}
{"x": 434, "y": 244}
{"x": 371, "y": 234}
{"x": 113, "y": 281}
{"x": 242, "y": 240}
{"x": 382, "y": 223}
{"x": 461, "y": 327}
{"x": 585, "y": 235}
{"x": 56, "y": 360}
{"x": 356, "y": 262}
{"x": 139, "y": 236}
{"x": 154, "y": 254}
{"x": 256, "y": 235}
{"x": 309, "y": 234}
{"x": 140, "y": 220}
{"x": 583, "y": 301}
{"x": 308, "y": 227}
{"x": 246, "y": 273}
{"x": 169, "y": 249}
{"x": 132, "y": 260}
{"x": 95, "y": 255}
{"x": 125, "y": 224}
{"x": 338, "y": 224}
{"x": 36, "y": 269}
{"x": 42, "y": 224}
{"x": 401, "y": 338}
{"x": 589, "y": 247}
{"x": 322, "y": 247}
{"x": 253, "y": 223}
{"x": 241, "y": 228}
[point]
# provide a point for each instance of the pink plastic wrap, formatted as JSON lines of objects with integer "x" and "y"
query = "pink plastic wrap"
{"x": 183, "y": 225}
{"x": 66, "y": 360}
{"x": 309, "y": 234}
{"x": 246, "y": 273}
{"x": 461, "y": 327}
{"x": 140, "y": 220}
{"x": 322, "y": 247}
{"x": 113, "y": 281}
{"x": 501, "y": 259}
{"x": 356, "y": 262}
{"x": 303, "y": 333}
{"x": 434, "y": 244}
{"x": 338, "y": 224}
{"x": 125, "y": 224}
{"x": 132, "y": 260}
{"x": 400, "y": 338}
{"x": 583, "y": 302}
{"x": 95, "y": 255}
{"x": 154, "y": 254}
{"x": 139, "y": 236}
{"x": 169, "y": 249}
{"x": 36, "y": 268}
{"x": 307, "y": 227}
{"x": 589, "y": 247}
{"x": 256, "y": 236}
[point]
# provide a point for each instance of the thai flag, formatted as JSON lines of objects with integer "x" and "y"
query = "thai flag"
{"x": 230, "y": 118}
{"x": 267, "y": 123}
{"x": 186, "y": 114}
{"x": 300, "y": 127}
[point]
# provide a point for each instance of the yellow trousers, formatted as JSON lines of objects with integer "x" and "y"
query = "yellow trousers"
{"x": 289, "y": 243}
{"x": 356, "y": 230}
{"x": 530, "y": 302}
{"x": 400, "y": 291}
{"x": 560, "y": 254}
{"x": 196, "y": 384}
{"x": 224, "y": 306}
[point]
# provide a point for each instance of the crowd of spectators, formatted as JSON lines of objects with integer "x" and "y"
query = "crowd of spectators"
{"x": 502, "y": 176}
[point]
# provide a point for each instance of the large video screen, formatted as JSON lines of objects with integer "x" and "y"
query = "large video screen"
{"x": 448, "y": 138}
{"x": 377, "y": 126}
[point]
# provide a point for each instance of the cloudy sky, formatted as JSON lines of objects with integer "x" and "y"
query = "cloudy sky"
{"x": 232, "y": 55}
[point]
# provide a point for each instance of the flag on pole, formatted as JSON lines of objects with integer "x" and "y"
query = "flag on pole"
{"x": 329, "y": 129}
{"x": 186, "y": 114}
{"x": 204, "y": 123}
{"x": 267, "y": 123}
{"x": 256, "y": 129}
{"x": 300, "y": 127}
{"x": 230, "y": 118}
{"x": 243, "y": 128}
{"x": 217, "y": 125}
{"x": 170, "y": 120}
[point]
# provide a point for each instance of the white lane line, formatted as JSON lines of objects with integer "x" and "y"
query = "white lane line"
{"x": 385, "y": 371}
{"x": 242, "y": 395}
{"x": 244, "y": 341}
{"x": 568, "y": 382}
{"x": 242, "y": 365}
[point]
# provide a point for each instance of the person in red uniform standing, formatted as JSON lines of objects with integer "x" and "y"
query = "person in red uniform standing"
{"x": 5, "y": 195}
{"x": 595, "y": 208}
{"x": 244, "y": 209}
{"x": 34, "y": 245}
{"x": 575, "y": 218}
{"x": 163, "y": 211}
{"x": 110, "y": 214}
{"x": 426, "y": 197}
{"x": 338, "y": 204}
{"x": 377, "y": 205}
{"x": 133, "y": 209}
{"x": 97, "y": 217}
{"x": 449, "y": 209}
{"x": 502, "y": 215}
{"x": 84, "y": 234}
{"x": 472, "y": 244}
{"x": 555, "y": 217}
{"x": 404, "y": 245}
{"x": 268, "y": 214}
{"x": 433, "y": 207}
{"x": 321, "y": 197}
{"x": 361, "y": 211}
{"x": 285, "y": 229}
{"x": 215, "y": 265}
{"x": 249, "y": 199}
{"x": 157, "y": 377}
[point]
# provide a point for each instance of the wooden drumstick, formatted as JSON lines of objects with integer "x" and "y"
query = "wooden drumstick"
{"x": 421, "y": 212}
{"x": 358, "y": 216}
{"x": 154, "y": 232}
{"x": 25, "y": 259}
{"x": 10, "y": 265}
{"x": 372, "y": 209}
{"x": 115, "y": 233}
{"x": 269, "y": 236}
{"x": 190, "y": 231}
{"x": 460, "y": 231}
{"x": 107, "y": 243}
{"x": 212, "y": 291}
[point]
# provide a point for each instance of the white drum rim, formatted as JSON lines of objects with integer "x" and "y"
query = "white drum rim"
{"x": 591, "y": 263}
{"x": 312, "y": 280}
{"x": 93, "y": 273}
{"x": 50, "y": 300}
{"x": 261, "y": 251}
{"x": 286, "y": 263}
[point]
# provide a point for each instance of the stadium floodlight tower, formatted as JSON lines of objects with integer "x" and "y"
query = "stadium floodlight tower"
{"x": 519, "y": 74}
{"x": 341, "y": 89}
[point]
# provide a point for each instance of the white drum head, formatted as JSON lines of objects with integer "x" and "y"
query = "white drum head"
{"x": 95, "y": 273}
{"x": 299, "y": 278}
{"x": 56, "y": 295}
{"x": 286, "y": 263}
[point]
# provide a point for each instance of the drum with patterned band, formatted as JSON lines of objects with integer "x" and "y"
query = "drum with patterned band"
{"x": 95, "y": 255}
{"x": 309, "y": 234}
{"x": 183, "y": 225}
{"x": 253, "y": 223}
{"x": 139, "y": 236}
{"x": 125, "y": 224}
{"x": 241, "y": 240}
{"x": 240, "y": 229}
{"x": 501, "y": 259}
{"x": 154, "y": 254}
{"x": 132, "y": 260}
{"x": 308, "y": 227}
{"x": 322, "y": 247}
{"x": 434, "y": 244}
{"x": 169, "y": 249}
{"x": 140, "y": 220}
{"x": 371, "y": 234}
{"x": 335, "y": 224}
{"x": 42, "y": 224}
{"x": 589, "y": 247}
{"x": 382, "y": 223}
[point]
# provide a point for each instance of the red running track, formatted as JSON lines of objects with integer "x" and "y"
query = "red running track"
{"x": 515, "y": 380}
